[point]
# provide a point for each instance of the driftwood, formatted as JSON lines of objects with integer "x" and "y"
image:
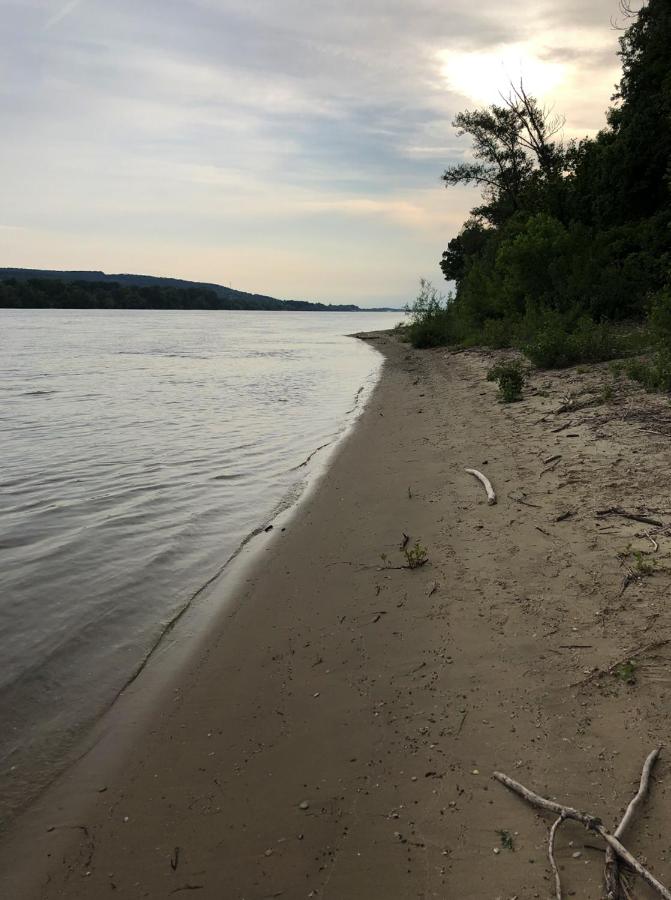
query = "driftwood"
{"x": 612, "y": 869}
{"x": 635, "y": 517}
{"x": 491, "y": 493}
{"x": 551, "y": 856}
{"x": 593, "y": 824}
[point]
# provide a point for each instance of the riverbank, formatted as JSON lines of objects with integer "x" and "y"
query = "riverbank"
{"x": 336, "y": 733}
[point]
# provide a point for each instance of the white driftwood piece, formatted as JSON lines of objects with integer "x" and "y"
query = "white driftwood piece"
{"x": 491, "y": 493}
{"x": 613, "y": 891}
{"x": 591, "y": 823}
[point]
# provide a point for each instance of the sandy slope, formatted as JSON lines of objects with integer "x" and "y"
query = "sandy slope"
{"x": 383, "y": 698}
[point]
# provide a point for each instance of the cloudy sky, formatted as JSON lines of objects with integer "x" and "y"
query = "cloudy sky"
{"x": 291, "y": 147}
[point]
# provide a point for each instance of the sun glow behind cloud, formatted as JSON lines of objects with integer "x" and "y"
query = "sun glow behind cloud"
{"x": 482, "y": 75}
{"x": 291, "y": 148}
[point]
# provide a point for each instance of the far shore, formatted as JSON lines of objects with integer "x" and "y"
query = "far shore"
{"x": 335, "y": 732}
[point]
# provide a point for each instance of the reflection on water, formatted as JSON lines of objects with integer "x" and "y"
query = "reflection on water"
{"x": 138, "y": 449}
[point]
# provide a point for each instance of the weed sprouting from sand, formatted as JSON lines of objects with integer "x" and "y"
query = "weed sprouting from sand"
{"x": 626, "y": 672}
{"x": 415, "y": 556}
{"x": 507, "y": 840}
{"x": 607, "y": 393}
{"x": 642, "y": 565}
{"x": 639, "y": 563}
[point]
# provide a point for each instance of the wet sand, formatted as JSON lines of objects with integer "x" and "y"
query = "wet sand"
{"x": 335, "y": 734}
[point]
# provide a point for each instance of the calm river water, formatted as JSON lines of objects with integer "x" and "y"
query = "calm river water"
{"x": 137, "y": 450}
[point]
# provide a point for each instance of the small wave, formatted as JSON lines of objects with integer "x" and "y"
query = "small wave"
{"x": 37, "y": 393}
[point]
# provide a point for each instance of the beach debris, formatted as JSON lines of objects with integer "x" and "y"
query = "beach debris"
{"x": 612, "y": 867}
{"x": 635, "y": 517}
{"x": 563, "y": 427}
{"x": 655, "y": 545}
{"x": 629, "y": 658}
{"x": 550, "y": 459}
{"x": 521, "y": 500}
{"x": 553, "y": 465}
{"x": 491, "y": 494}
{"x": 615, "y": 851}
{"x": 564, "y": 516}
{"x": 433, "y": 587}
{"x": 405, "y": 540}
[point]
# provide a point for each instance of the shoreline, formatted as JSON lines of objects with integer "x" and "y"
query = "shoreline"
{"x": 334, "y": 733}
{"x": 37, "y": 774}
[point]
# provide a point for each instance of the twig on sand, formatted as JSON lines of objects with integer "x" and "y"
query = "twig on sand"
{"x": 491, "y": 494}
{"x": 563, "y": 427}
{"x": 635, "y": 517}
{"x": 591, "y": 823}
{"x": 551, "y": 467}
{"x": 551, "y": 856}
{"x": 628, "y": 657}
{"x": 512, "y": 497}
{"x": 612, "y": 867}
{"x": 655, "y": 545}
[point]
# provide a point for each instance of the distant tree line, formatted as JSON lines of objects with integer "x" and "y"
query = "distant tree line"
{"x": 52, "y": 293}
{"x": 571, "y": 239}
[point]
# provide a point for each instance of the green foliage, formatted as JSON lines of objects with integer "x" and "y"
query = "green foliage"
{"x": 626, "y": 671}
{"x": 134, "y": 292}
{"x": 654, "y": 375}
{"x": 430, "y": 318}
{"x": 415, "y": 556}
{"x": 507, "y": 840}
{"x": 510, "y": 377}
{"x": 607, "y": 393}
{"x": 557, "y": 343}
{"x": 570, "y": 240}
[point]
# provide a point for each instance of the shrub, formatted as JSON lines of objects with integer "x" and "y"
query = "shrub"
{"x": 510, "y": 377}
{"x": 431, "y": 318}
{"x": 654, "y": 375}
{"x": 556, "y": 344}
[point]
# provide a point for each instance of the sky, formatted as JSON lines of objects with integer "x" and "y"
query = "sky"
{"x": 286, "y": 147}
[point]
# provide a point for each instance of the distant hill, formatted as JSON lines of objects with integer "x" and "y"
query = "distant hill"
{"x": 81, "y": 290}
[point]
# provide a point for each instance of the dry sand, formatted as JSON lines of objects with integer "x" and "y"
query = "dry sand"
{"x": 335, "y": 735}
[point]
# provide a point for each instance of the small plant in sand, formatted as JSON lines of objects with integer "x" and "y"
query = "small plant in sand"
{"x": 642, "y": 565}
{"x": 507, "y": 840}
{"x": 626, "y": 671}
{"x": 510, "y": 377}
{"x": 607, "y": 393}
{"x": 415, "y": 556}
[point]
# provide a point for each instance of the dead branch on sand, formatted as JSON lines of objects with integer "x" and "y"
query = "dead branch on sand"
{"x": 612, "y": 868}
{"x": 491, "y": 493}
{"x": 635, "y": 517}
{"x": 595, "y": 825}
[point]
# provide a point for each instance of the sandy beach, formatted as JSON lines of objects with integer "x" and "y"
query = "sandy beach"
{"x": 335, "y": 734}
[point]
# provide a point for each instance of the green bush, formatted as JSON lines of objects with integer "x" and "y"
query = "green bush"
{"x": 510, "y": 377}
{"x": 654, "y": 375}
{"x": 556, "y": 344}
{"x": 430, "y": 318}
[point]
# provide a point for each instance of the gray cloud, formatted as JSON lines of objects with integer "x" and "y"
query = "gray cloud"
{"x": 230, "y": 120}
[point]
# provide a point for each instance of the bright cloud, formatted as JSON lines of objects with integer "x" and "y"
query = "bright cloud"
{"x": 286, "y": 147}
